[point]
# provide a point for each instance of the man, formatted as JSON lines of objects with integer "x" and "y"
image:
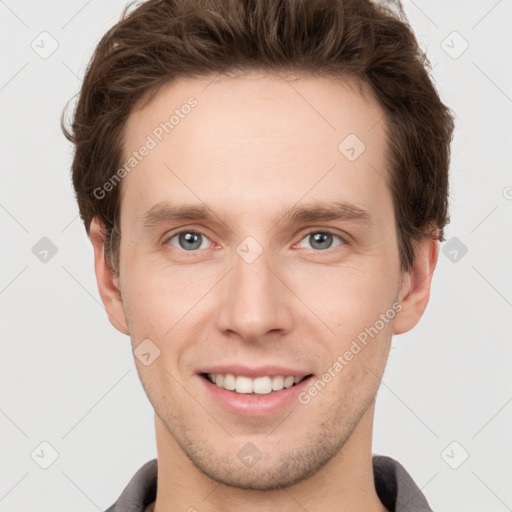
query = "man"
{"x": 265, "y": 187}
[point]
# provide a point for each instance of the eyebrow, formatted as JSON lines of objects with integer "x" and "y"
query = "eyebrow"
{"x": 165, "y": 212}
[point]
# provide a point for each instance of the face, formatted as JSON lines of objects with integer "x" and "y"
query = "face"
{"x": 258, "y": 248}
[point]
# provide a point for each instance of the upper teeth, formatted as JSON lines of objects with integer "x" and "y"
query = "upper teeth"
{"x": 259, "y": 385}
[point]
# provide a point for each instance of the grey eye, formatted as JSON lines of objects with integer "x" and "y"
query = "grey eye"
{"x": 189, "y": 240}
{"x": 321, "y": 240}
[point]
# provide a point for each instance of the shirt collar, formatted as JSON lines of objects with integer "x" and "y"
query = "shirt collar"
{"x": 394, "y": 486}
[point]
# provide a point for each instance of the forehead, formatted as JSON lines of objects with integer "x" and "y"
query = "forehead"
{"x": 256, "y": 138}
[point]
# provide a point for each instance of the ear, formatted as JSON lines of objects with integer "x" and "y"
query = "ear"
{"x": 415, "y": 287}
{"x": 106, "y": 279}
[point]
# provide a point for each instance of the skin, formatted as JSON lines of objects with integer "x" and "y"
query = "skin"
{"x": 255, "y": 146}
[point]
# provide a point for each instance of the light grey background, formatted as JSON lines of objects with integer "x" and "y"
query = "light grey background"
{"x": 68, "y": 378}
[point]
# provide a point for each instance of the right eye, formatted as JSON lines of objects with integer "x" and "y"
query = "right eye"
{"x": 189, "y": 241}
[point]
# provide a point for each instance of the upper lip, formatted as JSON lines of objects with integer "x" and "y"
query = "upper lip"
{"x": 253, "y": 372}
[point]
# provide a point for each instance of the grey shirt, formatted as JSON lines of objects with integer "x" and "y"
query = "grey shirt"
{"x": 395, "y": 488}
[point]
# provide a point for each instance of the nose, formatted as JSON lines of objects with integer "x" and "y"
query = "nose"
{"x": 255, "y": 300}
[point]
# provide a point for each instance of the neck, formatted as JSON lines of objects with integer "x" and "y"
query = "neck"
{"x": 345, "y": 483}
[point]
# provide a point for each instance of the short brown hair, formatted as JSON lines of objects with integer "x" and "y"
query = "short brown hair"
{"x": 161, "y": 40}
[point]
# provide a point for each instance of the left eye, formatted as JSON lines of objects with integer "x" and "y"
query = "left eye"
{"x": 321, "y": 240}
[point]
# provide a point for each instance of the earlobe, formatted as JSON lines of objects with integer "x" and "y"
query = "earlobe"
{"x": 108, "y": 285}
{"x": 415, "y": 288}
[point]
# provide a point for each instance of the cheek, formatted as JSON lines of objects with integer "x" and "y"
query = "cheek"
{"x": 348, "y": 297}
{"x": 155, "y": 298}
{"x": 166, "y": 305}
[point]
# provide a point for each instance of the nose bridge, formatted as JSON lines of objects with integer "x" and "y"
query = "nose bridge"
{"x": 254, "y": 301}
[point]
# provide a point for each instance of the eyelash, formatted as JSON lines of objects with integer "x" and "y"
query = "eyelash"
{"x": 306, "y": 235}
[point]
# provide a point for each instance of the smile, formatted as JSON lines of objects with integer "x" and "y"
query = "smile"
{"x": 262, "y": 385}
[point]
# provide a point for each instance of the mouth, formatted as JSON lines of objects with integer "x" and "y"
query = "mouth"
{"x": 260, "y": 385}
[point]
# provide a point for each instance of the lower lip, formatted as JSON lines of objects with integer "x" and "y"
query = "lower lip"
{"x": 254, "y": 405}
